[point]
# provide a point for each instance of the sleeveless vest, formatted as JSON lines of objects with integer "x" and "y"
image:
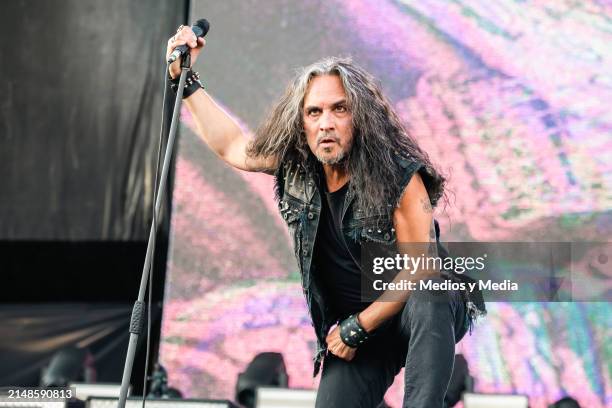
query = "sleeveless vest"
{"x": 300, "y": 207}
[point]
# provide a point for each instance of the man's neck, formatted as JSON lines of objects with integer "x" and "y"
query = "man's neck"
{"x": 335, "y": 177}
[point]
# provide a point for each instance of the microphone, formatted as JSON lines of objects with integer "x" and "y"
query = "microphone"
{"x": 200, "y": 28}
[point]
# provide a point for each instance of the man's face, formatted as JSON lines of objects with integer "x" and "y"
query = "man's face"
{"x": 327, "y": 119}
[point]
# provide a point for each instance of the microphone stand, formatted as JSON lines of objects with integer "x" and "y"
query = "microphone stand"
{"x": 137, "y": 318}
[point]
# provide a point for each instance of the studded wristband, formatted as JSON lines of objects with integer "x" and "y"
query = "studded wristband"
{"x": 192, "y": 84}
{"x": 352, "y": 333}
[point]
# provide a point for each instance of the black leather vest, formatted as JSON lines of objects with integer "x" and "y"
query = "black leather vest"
{"x": 300, "y": 207}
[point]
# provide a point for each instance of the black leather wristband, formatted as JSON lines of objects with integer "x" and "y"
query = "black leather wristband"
{"x": 352, "y": 333}
{"x": 192, "y": 84}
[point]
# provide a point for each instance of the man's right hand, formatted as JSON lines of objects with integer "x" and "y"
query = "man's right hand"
{"x": 220, "y": 132}
{"x": 184, "y": 36}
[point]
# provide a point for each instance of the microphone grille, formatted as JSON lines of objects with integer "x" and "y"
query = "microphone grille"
{"x": 204, "y": 25}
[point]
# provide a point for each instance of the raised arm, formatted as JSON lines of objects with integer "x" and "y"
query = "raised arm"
{"x": 220, "y": 132}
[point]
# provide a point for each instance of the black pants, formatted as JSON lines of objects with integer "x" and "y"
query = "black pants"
{"x": 421, "y": 338}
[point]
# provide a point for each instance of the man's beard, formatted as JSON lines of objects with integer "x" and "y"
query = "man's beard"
{"x": 338, "y": 158}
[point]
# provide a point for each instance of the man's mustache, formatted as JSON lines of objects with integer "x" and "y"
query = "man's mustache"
{"x": 327, "y": 136}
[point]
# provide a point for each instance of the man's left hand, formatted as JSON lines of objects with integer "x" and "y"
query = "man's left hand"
{"x": 336, "y": 346}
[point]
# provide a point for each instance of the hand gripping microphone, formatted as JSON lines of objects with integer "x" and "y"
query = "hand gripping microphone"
{"x": 200, "y": 28}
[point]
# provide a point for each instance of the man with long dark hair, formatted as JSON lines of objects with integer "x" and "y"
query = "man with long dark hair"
{"x": 347, "y": 172}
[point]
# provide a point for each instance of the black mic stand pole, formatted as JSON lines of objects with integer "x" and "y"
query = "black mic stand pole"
{"x": 136, "y": 320}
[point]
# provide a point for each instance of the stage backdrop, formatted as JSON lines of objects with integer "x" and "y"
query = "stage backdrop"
{"x": 510, "y": 99}
{"x": 79, "y": 118}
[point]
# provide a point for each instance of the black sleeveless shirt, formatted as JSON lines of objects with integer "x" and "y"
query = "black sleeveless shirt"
{"x": 337, "y": 257}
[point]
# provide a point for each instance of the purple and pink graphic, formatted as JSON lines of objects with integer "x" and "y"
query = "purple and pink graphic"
{"x": 511, "y": 101}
